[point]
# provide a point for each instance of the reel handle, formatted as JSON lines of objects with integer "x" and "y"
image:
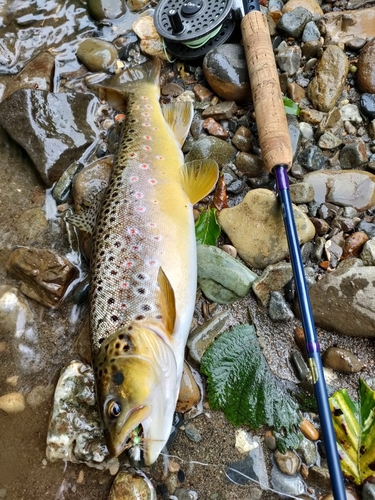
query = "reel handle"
{"x": 265, "y": 88}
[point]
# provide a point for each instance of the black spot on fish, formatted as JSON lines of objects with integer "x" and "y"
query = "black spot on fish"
{"x": 139, "y": 317}
{"x": 114, "y": 318}
{"x": 113, "y": 272}
{"x": 118, "y": 378}
{"x": 130, "y": 328}
{"x": 112, "y": 219}
{"x": 111, "y": 259}
{"x": 106, "y": 347}
{"x": 126, "y": 347}
{"x": 140, "y": 276}
{"x": 100, "y": 373}
{"x": 142, "y": 291}
{"x": 111, "y": 300}
{"x": 371, "y": 466}
{"x": 117, "y": 345}
{"x": 117, "y": 244}
{"x": 146, "y": 307}
{"x": 106, "y": 236}
{"x": 101, "y": 341}
{"x": 106, "y": 371}
{"x": 100, "y": 288}
{"x": 121, "y": 336}
{"x": 100, "y": 321}
{"x": 158, "y": 316}
{"x": 112, "y": 360}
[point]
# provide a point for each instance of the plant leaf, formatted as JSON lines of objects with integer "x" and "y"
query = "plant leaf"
{"x": 207, "y": 230}
{"x": 354, "y": 425}
{"x": 291, "y": 108}
{"x": 240, "y": 384}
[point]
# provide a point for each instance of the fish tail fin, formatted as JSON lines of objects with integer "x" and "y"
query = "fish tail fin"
{"x": 130, "y": 80}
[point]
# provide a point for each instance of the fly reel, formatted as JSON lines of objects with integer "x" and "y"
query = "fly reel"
{"x": 191, "y": 28}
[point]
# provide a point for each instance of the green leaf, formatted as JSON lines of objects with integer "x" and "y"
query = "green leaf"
{"x": 354, "y": 425}
{"x": 207, "y": 230}
{"x": 291, "y": 108}
{"x": 240, "y": 384}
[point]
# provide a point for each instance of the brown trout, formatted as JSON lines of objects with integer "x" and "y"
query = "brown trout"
{"x": 143, "y": 265}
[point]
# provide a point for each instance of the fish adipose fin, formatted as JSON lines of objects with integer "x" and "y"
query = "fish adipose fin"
{"x": 86, "y": 220}
{"x": 167, "y": 302}
{"x": 179, "y": 116}
{"x": 198, "y": 178}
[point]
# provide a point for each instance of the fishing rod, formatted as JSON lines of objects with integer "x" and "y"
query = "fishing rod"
{"x": 277, "y": 155}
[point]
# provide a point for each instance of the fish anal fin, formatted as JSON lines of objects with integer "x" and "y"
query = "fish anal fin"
{"x": 86, "y": 220}
{"x": 199, "y": 178}
{"x": 179, "y": 116}
{"x": 167, "y": 302}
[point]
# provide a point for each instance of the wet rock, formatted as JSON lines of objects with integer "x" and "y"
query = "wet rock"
{"x": 202, "y": 93}
{"x": 287, "y": 462}
{"x": 349, "y": 188}
{"x": 225, "y": 70}
{"x": 30, "y": 225}
{"x": 244, "y": 442}
{"x": 343, "y": 27}
{"x": 367, "y": 105}
{"x": 311, "y": 5}
{"x": 270, "y": 440}
{"x": 354, "y": 244}
{"x": 212, "y": 147}
{"x": 37, "y": 75}
{"x": 312, "y": 159}
{"x": 341, "y": 360}
{"x": 309, "y": 431}
{"x": 289, "y": 59}
{"x": 321, "y": 226}
{"x": 292, "y": 23}
{"x": 40, "y": 394}
{"x": 311, "y": 32}
{"x": 193, "y": 433}
{"x": 75, "y": 431}
{"x": 301, "y": 192}
{"x": 288, "y": 485}
{"x": 366, "y": 68}
{"x": 105, "y": 9}
{"x": 24, "y": 115}
{"x": 329, "y": 80}
{"x": 45, "y": 275}
{"x": 274, "y": 278}
{"x": 222, "y": 278}
{"x": 368, "y": 491}
{"x": 189, "y": 394}
{"x": 368, "y": 228}
{"x": 61, "y": 189}
{"x": 243, "y": 139}
{"x": 13, "y": 402}
{"x": 300, "y": 367}
{"x": 131, "y": 484}
{"x": 221, "y": 111}
{"x": 15, "y": 312}
{"x": 214, "y": 128}
{"x": 260, "y": 209}
{"x": 319, "y": 476}
{"x": 135, "y": 5}
{"x": 312, "y": 116}
{"x": 250, "y": 165}
{"x": 151, "y": 42}
{"x": 203, "y": 336}
{"x": 329, "y": 141}
{"x": 296, "y": 93}
{"x": 312, "y": 49}
{"x": 368, "y": 253}
{"x": 307, "y": 450}
{"x": 278, "y": 309}
{"x": 353, "y": 155}
{"x": 97, "y": 55}
{"x": 334, "y": 248}
{"x": 342, "y": 301}
{"x": 294, "y": 134}
{"x": 252, "y": 467}
{"x": 350, "y": 112}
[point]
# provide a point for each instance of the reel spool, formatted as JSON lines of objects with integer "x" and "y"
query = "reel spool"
{"x": 191, "y": 28}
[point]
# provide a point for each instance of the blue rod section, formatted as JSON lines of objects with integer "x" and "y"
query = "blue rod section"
{"x": 312, "y": 345}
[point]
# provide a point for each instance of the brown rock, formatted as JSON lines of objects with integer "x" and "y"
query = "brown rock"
{"x": 329, "y": 80}
{"x": 296, "y": 92}
{"x": 214, "y": 128}
{"x": 221, "y": 111}
{"x": 308, "y": 430}
{"x": 45, "y": 275}
{"x": 243, "y": 139}
{"x": 189, "y": 394}
{"x": 354, "y": 244}
{"x": 311, "y": 116}
{"x": 343, "y": 26}
{"x": 310, "y": 5}
{"x": 321, "y": 226}
{"x": 202, "y": 93}
{"x": 250, "y": 165}
{"x": 366, "y": 67}
{"x": 341, "y": 360}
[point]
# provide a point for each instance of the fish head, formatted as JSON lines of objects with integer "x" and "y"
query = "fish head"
{"x": 136, "y": 383}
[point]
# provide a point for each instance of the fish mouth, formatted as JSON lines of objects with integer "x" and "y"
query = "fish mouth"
{"x": 118, "y": 441}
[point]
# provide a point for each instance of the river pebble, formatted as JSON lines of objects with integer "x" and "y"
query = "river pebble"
{"x": 351, "y": 113}
{"x": 273, "y": 278}
{"x": 367, "y": 105}
{"x": 243, "y": 139}
{"x": 309, "y": 431}
{"x": 307, "y": 451}
{"x": 97, "y": 55}
{"x": 292, "y": 23}
{"x": 189, "y": 394}
{"x": 105, "y": 9}
{"x": 131, "y": 484}
{"x": 289, "y": 59}
{"x": 366, "y": 68}
{"x": 354, "y": 244}
{"x": 329, "y": 80}
{"x": 319, "y": 475}
{"x": 311, "y": 5}
{"x": 287, "y": 462}
{"x": 353, "y": 155}
{"x": 15, "y": 312}
{"x": 368, "y": 491}
{"x": 301, "y": 192}
{"x": 270, "y": 440}
{"x": 260, "y": 208}
{"x": 312, "y": 158}
{"x": 288, "y": 485}
{"x": 226, "y": 72}
{"x": 193, "y": 433}
{"x": 250, "y": 165}
{"x": 13, "y": 402}
{"x": 151, "y": 42}
{"x": 341, "y": 360}
{"x": 212, "y": 147}
{"x": 278, "y": 309}
{"x": 368, "y": 253}
{"x": 329, "y": 141}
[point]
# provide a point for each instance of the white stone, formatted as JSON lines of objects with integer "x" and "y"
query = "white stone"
{"x": 368, "y": 253}
{"x": 350, "y": 112}
{"x": 13, "y": 402}
{"x": 244, "y": 442}
{"x": 307, "y": 131}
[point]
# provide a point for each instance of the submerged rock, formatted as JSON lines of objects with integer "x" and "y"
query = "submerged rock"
{"x": 212, "y": 147}
{"x": 105, "y": 9}
{"x": 54, "y": 129}
{"x": 45, "y": 275}
{"x": 256, "y": 228}
{"x": 355, "y": 188}
{"x": 97, "y": 55}
{"x": 341, "y": 360}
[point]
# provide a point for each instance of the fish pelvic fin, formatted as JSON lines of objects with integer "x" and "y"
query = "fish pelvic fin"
{"x": 198, "y": 178}
{"x": 167, "y": 302}
{"x": 179, "y": 116}
{"x": 130, "y": 80}
{"x": 86, "y": 220}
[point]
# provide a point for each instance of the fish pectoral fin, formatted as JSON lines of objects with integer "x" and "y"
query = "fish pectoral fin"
{"x": 86, "y": 220}
{"x": 179, "y": 116}
{"x": 167, "y": 302}
{"x": 198, "y": 178}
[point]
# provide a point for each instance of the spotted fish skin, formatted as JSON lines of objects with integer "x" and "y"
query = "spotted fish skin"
{"x": 143, "y": 270}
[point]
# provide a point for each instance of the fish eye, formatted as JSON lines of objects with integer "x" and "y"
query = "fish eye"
{"x": 114, "y": 409}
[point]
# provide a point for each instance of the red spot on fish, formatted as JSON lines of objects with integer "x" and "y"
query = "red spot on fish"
{"x": 147, "y": 148}
{"x": 155, "y": 128}
{"x": 133, "y": 230}
{"x": 152, "y": 181}
{"x": 129, "y": 263}
{"x": 148, "y": 106}
{"x": 132, "y": 155}
{"x": 146, "y": 124}
{"x": 160, "y": 157}
{"x": 123, "y": 306}
{"x": 152, "y": 224}
{"x": 147, "y": 137}
{"x": 144, "y": 97}
{"x": 144, "y": 166}
{"x": 146, "y": 114}
{"x": 156, "y": 238}
{"x": 152, "y": 262}
{"x": 135, "y": 248}
{"x": 141, "y": 209}
{"x": 139, "y": 195}
{"x": 125, "y": 285}
{"x": 133, "y": 179}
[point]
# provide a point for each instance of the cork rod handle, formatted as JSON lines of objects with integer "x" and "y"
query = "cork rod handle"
{"x": 265, "y": 87}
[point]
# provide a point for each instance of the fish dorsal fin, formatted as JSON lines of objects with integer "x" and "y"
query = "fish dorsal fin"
{"x": 86, "y": 220}
{"x": 179, "y": 116}
{"x": 167, "y": 302}
{"x": 198, "y": 178}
